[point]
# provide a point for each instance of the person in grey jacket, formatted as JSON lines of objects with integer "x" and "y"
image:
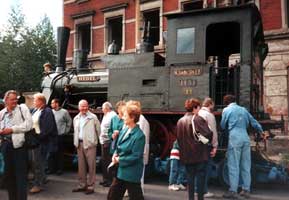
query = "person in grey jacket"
{"x": 12, "y": 129}
{"x": 86, "y": 128}
{"x": 63, "y": 123}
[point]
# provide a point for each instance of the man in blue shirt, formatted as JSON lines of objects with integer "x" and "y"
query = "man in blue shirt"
{"x": 235, "y": 120}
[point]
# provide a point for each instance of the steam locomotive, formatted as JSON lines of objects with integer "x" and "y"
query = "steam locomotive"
{"x": 209, "y": 53}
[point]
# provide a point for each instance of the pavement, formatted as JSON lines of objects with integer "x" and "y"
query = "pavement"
{"x": 156, "y": 188}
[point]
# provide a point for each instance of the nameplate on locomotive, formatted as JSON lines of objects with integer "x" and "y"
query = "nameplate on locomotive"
{"x": 88, "y": 78}
{"x": 188, "y": 72}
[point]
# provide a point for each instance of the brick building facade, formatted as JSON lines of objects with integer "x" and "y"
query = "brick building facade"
{"x": 95, "y": 24}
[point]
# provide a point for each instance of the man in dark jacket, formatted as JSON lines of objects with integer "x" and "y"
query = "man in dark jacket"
{"x": 44, "y": 125}
{"x": 193, "y": 153}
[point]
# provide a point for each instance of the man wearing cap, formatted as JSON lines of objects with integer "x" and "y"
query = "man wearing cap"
{"x": 47, "y": 68}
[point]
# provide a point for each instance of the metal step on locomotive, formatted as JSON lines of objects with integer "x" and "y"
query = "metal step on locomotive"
{"x": 209, "y": 53}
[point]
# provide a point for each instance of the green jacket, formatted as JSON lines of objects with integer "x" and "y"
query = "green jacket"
{"x": 130, "y": 150}
{"x": 116, "y": 124}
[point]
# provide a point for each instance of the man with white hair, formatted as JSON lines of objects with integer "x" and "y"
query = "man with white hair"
{"x": 86, "y": 128}
{"x": 105, "y": 141}
{"x": 15, "y": 120}
{"x": 45, "y": 126}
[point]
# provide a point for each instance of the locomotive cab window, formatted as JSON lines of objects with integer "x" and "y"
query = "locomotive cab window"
{"x": 186, "y": 41}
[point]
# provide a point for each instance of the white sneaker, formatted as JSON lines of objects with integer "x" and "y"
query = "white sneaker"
{"x": 209, "y": 195}
{"x": 173, "y": 187}
{"x": 181, "y": 187}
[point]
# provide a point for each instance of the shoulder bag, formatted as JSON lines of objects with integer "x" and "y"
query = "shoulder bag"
{"x": 198, "y": 136}
{"x": 31, "y": 138}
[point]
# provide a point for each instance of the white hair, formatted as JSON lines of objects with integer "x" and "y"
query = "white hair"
{"x": 107, "y": 105}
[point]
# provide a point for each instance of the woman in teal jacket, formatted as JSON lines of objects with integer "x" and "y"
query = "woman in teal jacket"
{"x": 116, "y": 126}
{"x": 129, "y": 157}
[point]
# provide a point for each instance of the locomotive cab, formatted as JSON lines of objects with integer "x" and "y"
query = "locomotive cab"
{"x": 226, "y": 45}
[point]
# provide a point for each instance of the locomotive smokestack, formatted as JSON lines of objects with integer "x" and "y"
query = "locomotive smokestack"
{"x": 62, "y": 42}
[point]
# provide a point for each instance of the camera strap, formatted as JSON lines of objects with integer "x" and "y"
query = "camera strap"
{"x": 195, "y": 134}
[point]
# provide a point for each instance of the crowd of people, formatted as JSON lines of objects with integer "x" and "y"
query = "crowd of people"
{"x": 123, "y": 135}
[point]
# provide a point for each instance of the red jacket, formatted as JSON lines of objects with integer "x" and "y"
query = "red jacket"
{"x": 192, "y": 151}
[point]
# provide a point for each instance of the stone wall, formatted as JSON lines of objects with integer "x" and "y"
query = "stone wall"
{"x": 276, "y": 75}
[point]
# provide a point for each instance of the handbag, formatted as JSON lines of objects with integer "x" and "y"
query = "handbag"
{"x": 31, "y": 137}
{"x": 112, "y": 169}
{"x": 198, "y": 136}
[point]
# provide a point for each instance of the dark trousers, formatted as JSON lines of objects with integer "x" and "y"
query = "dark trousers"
{"x": 39, "y": 162}
{"x": 105, "y": 160}
{"x": 55, "y": 159}
{"x": 16, "y": 170}
{"x": 197, "y": 170}
{"x": 60, "y": 154}
{"x": 118, "y": 188}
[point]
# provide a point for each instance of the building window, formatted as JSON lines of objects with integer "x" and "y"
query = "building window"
{"x": 153, "y": 17}
{"x": 114, "y": 31}
{"x": 192, "y": 5}
{"x": 83, "y": 37}
{"x": 114, "y": 17}
{"x": 152, "y": 11}
{"x": 83, "y": 30}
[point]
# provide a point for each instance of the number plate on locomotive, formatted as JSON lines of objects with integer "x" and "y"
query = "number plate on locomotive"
{"x": 88, "y": 78}
{"x": 188, "y": 72}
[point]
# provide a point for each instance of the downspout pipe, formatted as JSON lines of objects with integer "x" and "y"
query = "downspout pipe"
{"x": 286, "y": 127}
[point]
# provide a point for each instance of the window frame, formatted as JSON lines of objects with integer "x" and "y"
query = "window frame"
{"x": 108, "y": 15}
{"x": 150, "y": 6}
{"x": 78, "y": 22}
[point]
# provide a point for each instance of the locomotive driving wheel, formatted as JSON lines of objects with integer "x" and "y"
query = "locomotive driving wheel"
{"x": 160, "y": 139}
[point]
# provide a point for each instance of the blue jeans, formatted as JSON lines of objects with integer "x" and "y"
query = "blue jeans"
{"x": 177, "y": 172}
{"x": 239, "y": 165}
{"x": 196, "y": 170}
